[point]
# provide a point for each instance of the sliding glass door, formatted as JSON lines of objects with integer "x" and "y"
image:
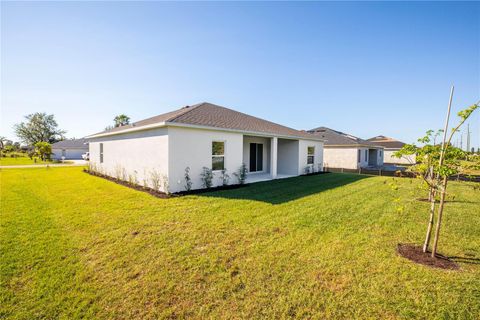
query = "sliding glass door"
{"x": 256, "y": 157}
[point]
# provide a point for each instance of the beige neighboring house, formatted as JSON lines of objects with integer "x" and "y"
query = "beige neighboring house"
{"x": 342, "y": 150}
{"x": 391, "y": 146}
{"x": 204, "y": 135}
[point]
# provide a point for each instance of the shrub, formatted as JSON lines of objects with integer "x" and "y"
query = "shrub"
{"x": 165, "y": 184}
{"x": 117, "y": 171}
{"x": 155, "y": 179}
{"x": 224, "y": 177}
{"x": 188, "y": 180}
{"x": 207, "y": 177}
{"x": 241, "y": 174}
{"x": 132, "y": 178}
{"x": 43, "y": 150}
{"x": 307, "y": 170}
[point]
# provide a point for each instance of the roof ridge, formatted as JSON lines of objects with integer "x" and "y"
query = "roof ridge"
{"x": 233, "y": 110}
{"x": 190, "y": 108}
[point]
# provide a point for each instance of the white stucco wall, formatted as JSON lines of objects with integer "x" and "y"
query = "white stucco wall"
{"x": 389, "y": 158}
{"x": 69, "y": 153}
{"x": 303, "y": 155}
{"x": 287, "y": 157}
{"x": 137, "y": 154}
{"x": 342, "y": 157}
{"x": 193, "y": 148}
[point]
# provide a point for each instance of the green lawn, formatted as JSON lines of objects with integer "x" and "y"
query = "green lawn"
{"x": 20, "y": 161}
{"x": 77, "y": 246}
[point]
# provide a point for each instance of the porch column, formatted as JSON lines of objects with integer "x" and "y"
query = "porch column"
{"x": 273, "y": 157}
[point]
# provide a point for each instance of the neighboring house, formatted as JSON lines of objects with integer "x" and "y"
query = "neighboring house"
{"x": 203, "y": 135}
{"x": 391, "y": 146}
{"x": 70, "y": 149}
{"x": 343, "y": 150}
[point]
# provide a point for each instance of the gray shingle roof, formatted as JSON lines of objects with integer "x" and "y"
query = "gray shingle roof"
{"x": 386, "y": 142}
{"x": 338, "y": 138}
{"x": 81, "y": 143}
{"x": 210, "y": 115}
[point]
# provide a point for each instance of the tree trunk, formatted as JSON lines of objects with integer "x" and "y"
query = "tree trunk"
{"x": 440, "y": 213}
{"x": 431, "y": 197}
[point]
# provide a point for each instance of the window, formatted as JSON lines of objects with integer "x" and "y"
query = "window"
{"x": 101, "y": 152}
{"x": 218, "y": 155}
{"x": 380, "y": 153}
{"x": 64, "y": 153}
{"x": 256, "y": 157}
{"x": 366, "y": 155}
{"x": 310, "y": 155}
{"x": 359, "y": 155}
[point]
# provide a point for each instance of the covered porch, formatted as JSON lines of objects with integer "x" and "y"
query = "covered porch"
{"x": 270, "y": 158}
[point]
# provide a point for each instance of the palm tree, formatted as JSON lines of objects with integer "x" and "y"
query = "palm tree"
{"x": 121, "y": 120}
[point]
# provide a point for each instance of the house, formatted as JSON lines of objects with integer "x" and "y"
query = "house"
{"x": 203, "y": 135}
{"x": 342, "y": 150}
{"x": 391, "y": 146}
{"x": 70, "y": 149}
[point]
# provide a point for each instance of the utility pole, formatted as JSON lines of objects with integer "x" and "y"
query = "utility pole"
{"x": 468, "y": 137}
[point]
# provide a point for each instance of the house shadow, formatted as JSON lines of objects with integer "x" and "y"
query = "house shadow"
{"x": 288, "y": 189}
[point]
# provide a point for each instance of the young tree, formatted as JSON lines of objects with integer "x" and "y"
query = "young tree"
{"x": 435, "y": 163}
{"x": 444, "y": 169}
{"x": 39, "y": 127}
{"x": 121, "y": 120}
{"x": 43, "y": 150}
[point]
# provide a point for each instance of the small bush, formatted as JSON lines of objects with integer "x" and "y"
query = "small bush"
{"x": 207, "y": 177}
{"x": 241, "y": 174}
{"x": 155, "y": 179}
{"x": 307, "y": 170}
{"x": 224, "y": 177}
{"x": 188, "y": 180}
{"x": 165, "y": 184}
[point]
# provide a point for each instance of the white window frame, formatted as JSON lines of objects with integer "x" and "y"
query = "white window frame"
{"x": 311, "y": 155}
{"x": 217, "y": 155}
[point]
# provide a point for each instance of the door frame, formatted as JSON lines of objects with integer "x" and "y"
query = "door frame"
{"x": 257, "y": 163}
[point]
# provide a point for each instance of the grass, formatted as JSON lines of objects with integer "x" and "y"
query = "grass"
{"x": 77, "y": 246}
{"x": 471, "y": 167}
{"x": 22, "y": 160}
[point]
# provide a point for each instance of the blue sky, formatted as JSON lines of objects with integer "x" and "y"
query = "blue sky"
{"x": 364, "y": 68}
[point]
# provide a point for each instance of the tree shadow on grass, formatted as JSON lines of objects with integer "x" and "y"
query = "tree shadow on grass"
{"x": 288, "y": 189}
{"x": 467, "y": 260}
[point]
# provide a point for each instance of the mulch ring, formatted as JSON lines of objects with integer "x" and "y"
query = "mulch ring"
{"x": 415, "y": 253}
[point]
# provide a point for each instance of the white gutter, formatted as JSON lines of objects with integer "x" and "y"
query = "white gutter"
{"x": 255, "y": 133}
{"x": 352, "y": 146}
{"x": 132, "y": 129}
{"x": 183, "y": 125}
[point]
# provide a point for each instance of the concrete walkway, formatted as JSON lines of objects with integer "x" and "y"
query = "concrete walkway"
{"x": 75, "y": 163}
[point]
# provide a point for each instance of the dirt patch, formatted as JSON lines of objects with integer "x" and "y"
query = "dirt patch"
{"x": 415, "y": 253}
